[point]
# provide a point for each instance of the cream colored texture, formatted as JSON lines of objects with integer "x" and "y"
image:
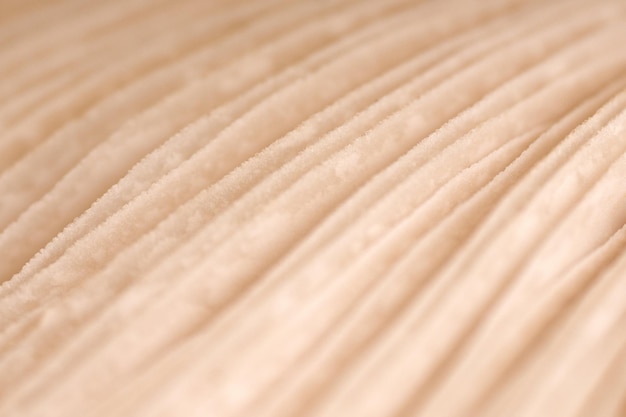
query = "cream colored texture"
{"x": 358, "y": 208}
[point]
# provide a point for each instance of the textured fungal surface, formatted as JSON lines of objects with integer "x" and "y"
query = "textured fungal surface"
{"x": 313, "y": 208}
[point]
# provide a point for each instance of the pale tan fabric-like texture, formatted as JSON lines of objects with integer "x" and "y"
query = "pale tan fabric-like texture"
{"x": 313, "y": 208}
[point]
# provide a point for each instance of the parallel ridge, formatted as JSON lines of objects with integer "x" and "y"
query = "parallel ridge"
{"x": 313, "y": 208}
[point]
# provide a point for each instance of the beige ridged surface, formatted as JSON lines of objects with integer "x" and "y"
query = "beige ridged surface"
{"x": 313, "y": 208}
